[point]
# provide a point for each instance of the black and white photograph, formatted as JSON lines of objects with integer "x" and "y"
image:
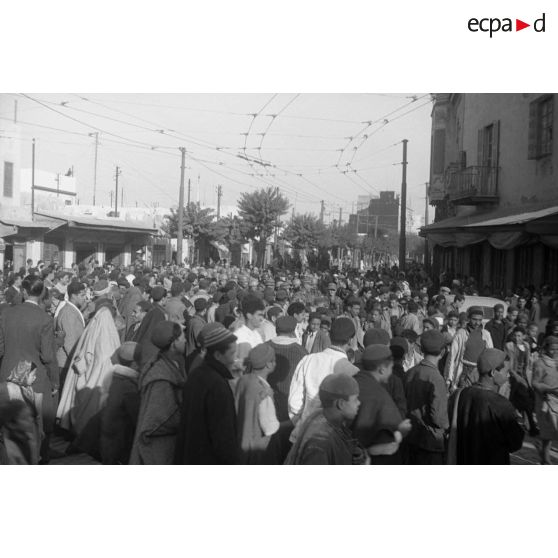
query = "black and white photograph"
{"x": 279, "y": 279}
{"x": 236, "y": 238}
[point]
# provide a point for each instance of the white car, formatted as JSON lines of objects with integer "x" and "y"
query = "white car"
{"x": 487, "y": 304}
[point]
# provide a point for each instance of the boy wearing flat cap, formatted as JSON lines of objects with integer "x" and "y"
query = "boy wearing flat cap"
{"x": 484, "y": 429}
{"x": 325, "y": 438}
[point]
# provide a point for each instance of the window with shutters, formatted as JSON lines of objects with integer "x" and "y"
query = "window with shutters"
{"x": 541, "y": 117}
{"x": 8, "y": 180}
{"x": 439, "y": 149}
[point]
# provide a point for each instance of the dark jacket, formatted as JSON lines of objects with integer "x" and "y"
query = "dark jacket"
{"x": 207, "y": 434}
{"x": 427, "y": 404}
{"x": 498, "y": 333}
{"x": 159, "y": 414}
{"x": 119, "y": 416}
{"x": 27, "y": 333}
{"x": 487, "y": 428}
{"x": 143, "y": 335}
{"x": 378, "y": 416}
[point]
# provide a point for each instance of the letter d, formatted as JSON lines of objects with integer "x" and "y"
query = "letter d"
{"x": 542, "y": 22}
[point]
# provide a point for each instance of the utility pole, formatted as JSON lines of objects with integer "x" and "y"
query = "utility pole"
{"x": 426, "y": 247}
{"x": 189, "y": 190}
{"x": 403, "y": 218}
{"x": 180, "y": 233}
{"x": 96, "y": 134}
{"x": 118, "y": 172}
{"x": 340, "y": 216}
{"x": 376, "y": 228}
{"x": 33, "y": 181}
{"x": 219, "y": 196}
{"x": 322, "y": 210}
{"x": 58, "y": 185}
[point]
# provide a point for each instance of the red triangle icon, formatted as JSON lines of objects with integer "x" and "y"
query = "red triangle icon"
{"x": 519, "y": 25}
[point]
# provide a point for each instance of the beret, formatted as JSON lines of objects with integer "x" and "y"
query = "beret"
{"x": 475, "y": 311}
{"x": 123, "y": 282}
{"x": 158, "y": 293}
{"x": 214, "y": 334}
{"x": 129, "y": 352}
{"x": 285, "y": 324}
{"x": 342, "y": 328}
{"x": 332, "y": 287}
{"x": 163, "y": 334}
{"x": 374, "y": 354}
{"x": 337, "y": 386}
{"x": 376, "y": 336}
{"x": 490, "y": 359}
{"x": 260, "y": 355}
{"x": 446, "y": 290}
{"x": 432, "y": 342}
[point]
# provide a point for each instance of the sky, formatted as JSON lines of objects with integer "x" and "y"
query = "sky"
{"x": 314, "y": 147}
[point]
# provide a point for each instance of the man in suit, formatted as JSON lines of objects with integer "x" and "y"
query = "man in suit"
{"x": 27, "y": 333}
{"x": 13, "y": 293}
{"x": 69, "y": 323}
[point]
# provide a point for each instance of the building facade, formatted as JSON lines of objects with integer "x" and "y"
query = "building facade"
{"x": 494, "y": 187}
{"x": 381, "y": 214}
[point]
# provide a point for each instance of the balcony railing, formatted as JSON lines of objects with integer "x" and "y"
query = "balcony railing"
{"x": 472, "y": 185}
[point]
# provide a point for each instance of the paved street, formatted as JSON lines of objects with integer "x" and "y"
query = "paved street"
{"x": 527, "y": 456}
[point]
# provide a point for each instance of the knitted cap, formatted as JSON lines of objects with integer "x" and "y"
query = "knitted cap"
{"x": 215, "y": 334}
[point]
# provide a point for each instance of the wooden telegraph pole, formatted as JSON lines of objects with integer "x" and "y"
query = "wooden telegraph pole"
{"x": 403, "y": 202}
{"x": 180, "y": 233}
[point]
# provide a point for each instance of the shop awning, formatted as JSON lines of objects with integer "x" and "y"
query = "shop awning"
{"x": 503, "y": 229}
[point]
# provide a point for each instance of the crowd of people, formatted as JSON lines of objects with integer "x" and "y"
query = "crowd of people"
{"x": 222, "y": 365}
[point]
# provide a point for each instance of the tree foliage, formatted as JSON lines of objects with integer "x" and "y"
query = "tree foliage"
{"x": 259, "y": 213}
{"x": 199, "y": 224}
{"x": 304, "y": 231}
